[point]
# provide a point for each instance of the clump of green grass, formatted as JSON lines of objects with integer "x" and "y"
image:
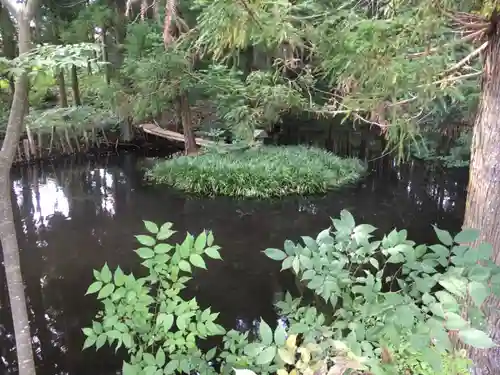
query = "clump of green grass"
{"x": 264, "y": 172}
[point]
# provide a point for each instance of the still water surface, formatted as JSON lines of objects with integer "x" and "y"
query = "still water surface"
{"x": 72, "y": 218}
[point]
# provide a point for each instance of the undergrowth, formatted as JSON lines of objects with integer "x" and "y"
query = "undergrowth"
{"x": 261, "y": 172}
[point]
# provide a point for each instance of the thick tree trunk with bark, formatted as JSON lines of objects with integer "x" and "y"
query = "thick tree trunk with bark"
{"x": 187, "y": 126}
{"x": 75, "y": 87}
{"x": 63, "y": 97}
{"x": 7, "y": 229}
{"x": 483, "y": 196}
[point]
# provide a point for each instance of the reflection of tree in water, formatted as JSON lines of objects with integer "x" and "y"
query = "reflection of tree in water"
{"x": 73, "y": 218}
{"x": 46, "y": 200}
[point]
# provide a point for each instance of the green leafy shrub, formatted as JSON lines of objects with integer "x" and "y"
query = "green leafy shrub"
{"x": 382, "y": 321}
{"x": 391, "y": 294}
{"x": 259, "y": 172}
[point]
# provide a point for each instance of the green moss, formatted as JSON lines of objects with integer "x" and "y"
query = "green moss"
{"x": 262, "y": 172}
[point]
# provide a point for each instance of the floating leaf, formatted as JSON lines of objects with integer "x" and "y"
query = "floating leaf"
{"x": 146, "y": 240}
{"x": 94, "y": 287}
{"x": 275, "y": 254}
{"x": 476, "y": 338}
{"x": 197, "y": 261}
{"x": 151, "y": 227}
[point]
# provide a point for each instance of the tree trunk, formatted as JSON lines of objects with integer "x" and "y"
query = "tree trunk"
{"x": 63, "y": 97}
{"x": 7, "y": 229}
{"x": 185, "y": 115}
{"x": 75, "y": 87}
{"x": 483, "y": 197}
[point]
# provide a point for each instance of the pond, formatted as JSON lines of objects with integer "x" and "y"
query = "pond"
{"x": 73, "y": 217}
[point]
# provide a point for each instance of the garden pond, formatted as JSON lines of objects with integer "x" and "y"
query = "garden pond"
{"x": 72, "y": 217}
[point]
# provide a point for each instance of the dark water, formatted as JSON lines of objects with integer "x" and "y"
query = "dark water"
{"x": 73, "y": 218}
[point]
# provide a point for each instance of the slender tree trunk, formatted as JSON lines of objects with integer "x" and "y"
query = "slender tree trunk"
{"x": 75, "y": 87}
{"x": 483, "y": 197}
{"x": 7, "y": 229}
{"x": 105, "y": 55}
{"x": 63, "y": 97}
{"x": 185, "y": 115}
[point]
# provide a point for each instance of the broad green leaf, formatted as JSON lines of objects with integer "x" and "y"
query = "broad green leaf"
{"x": 127, "y": 340}
{"x": 94, "y": 287}
{"x": 210, "y": 238}
{"x": 106, "y": 291}
{"x": 165, "y": 320}
{"x": 374, "y": 263}
{"x": 185, "y": 266}
{"x": 145, "y": 252}
{"x": 213, "y": 252}
{"x": 88, "y": 332}
{"x": 478, "y": 292}
{"x": 280, "y": 335}
{"x": 396, "y": 258}
{"x": 467, "y": 236}
{"x": 129, "y": 369}
{"x": 171, "y": 367}
{"x": 275, "y": 254}
{"x": 149, "y": 359}
{"x": 162, "y": 248}
{"x": 455, "y": 322}
{"x": 101, "y": 340}
{"x": 266, "y": 356}
{"x": 310, "y": 243}
{"x": 476, "y": 338}
{"x": 433, "y": 358}
{"x": 160, "y": 357}
{"x": 443, "y": 236}
{"x": 197, "y": 261}
{"x": 254, "y": 349}
{"x": 89, "y": 341}
{"x": 243, "y": 372}
{"x": 266, "y": 333}
{"x": 106, "y": 274}
{"x": 200, "y": 242}
{"x": 146, "y": 240}
{"x": 287, "y": 356}
{"x": 119, "y": 277}
{"x": 151, "y": 227}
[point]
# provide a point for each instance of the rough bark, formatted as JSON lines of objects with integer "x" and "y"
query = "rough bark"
{"x": 63, "y": 97}
{"x": 187, "y": 126}
{"x": 7, "y": 228}
{"x": 75, "y": 87}
{"x": 483, "y": 196}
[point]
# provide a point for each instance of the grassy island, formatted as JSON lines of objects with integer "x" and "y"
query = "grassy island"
{"x": 261, "y": 172}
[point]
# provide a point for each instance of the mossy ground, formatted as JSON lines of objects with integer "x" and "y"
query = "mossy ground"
{"x": 263, "y": 172}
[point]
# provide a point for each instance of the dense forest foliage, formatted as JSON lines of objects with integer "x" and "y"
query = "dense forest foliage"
{"x": 408, "y": 70}
{"x": 238, "y": 66}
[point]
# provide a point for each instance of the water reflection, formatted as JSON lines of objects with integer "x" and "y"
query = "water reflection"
{"x": 71, "y": 219}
